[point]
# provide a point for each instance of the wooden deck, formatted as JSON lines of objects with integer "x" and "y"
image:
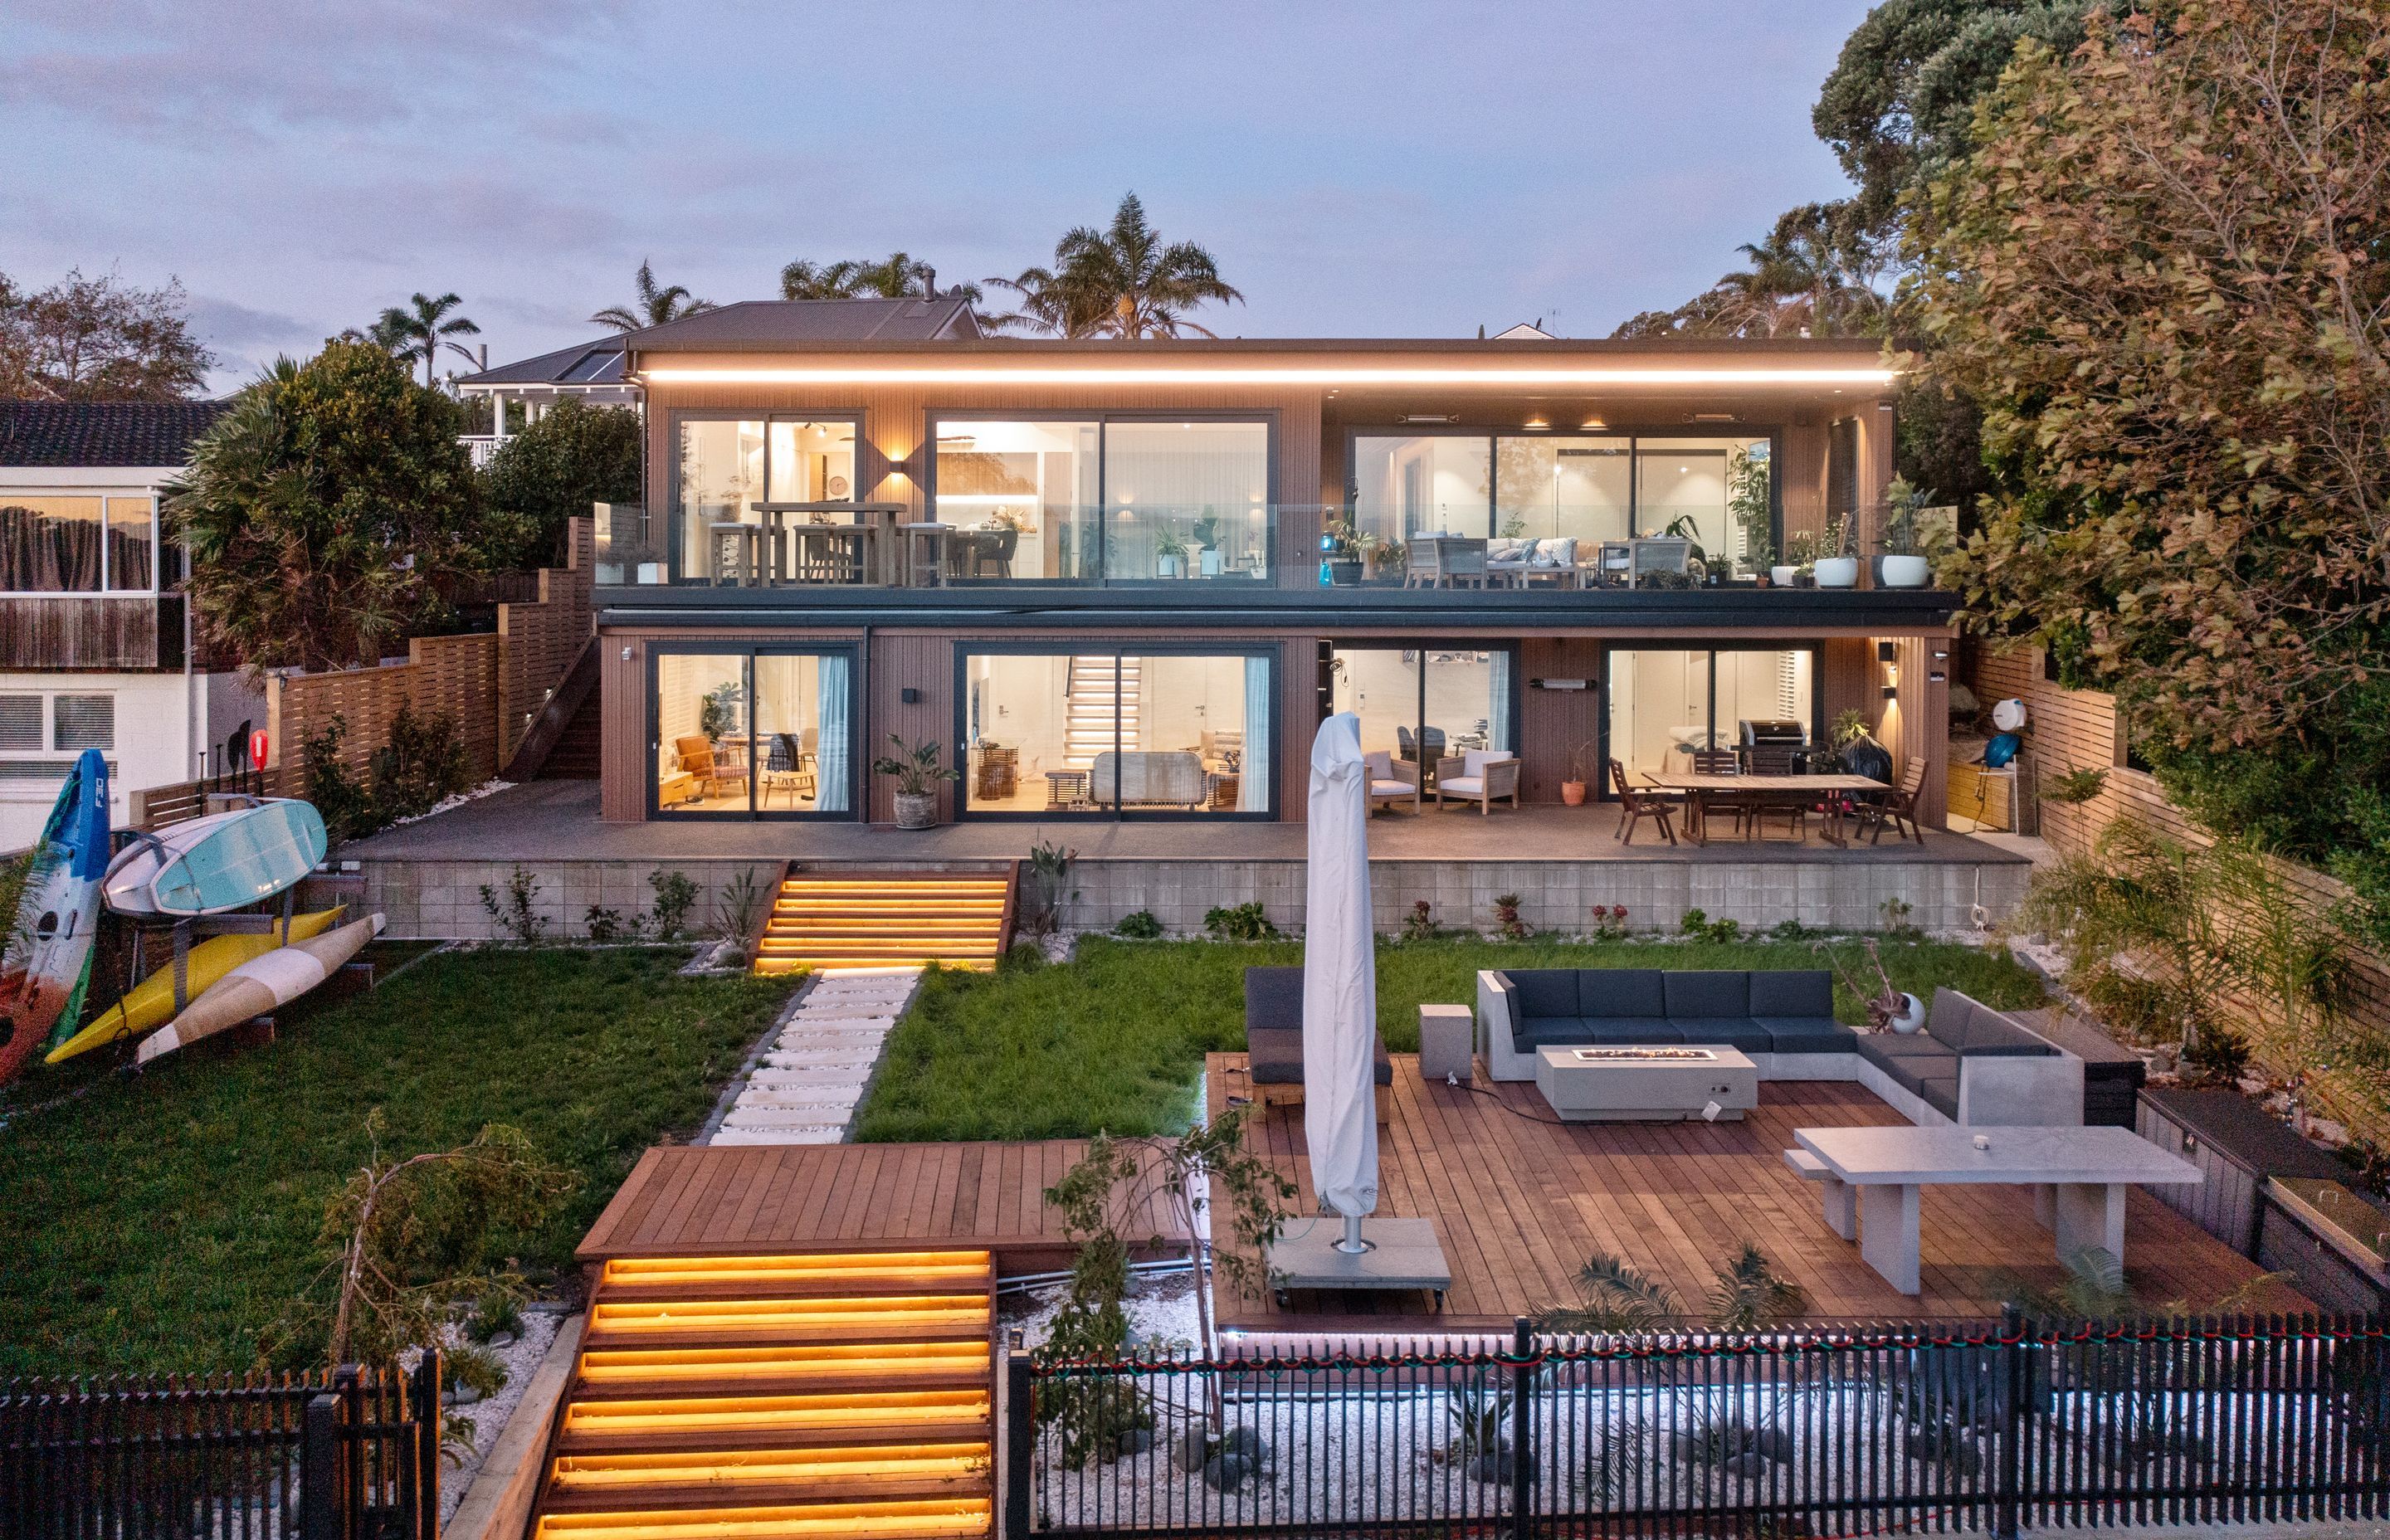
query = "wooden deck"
{"x": 758, "y": 1200}
{"x": 1520, "y": 1204}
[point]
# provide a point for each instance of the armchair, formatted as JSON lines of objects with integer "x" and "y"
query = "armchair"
{"x": 1480, "y": 776}
{"x": 715, "y": 775}
{"x": 1392, "y": 783}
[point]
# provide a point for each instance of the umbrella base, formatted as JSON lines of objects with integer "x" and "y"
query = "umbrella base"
{"x": 1403, "y": 1254}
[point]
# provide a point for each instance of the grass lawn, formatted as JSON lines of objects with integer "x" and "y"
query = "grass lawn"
{"x": 157, "y": 1223}
{"x": 1115, "y": 1038}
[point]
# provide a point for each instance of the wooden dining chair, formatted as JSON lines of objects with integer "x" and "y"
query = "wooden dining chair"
{"x": 1634, "y": 804}
{"x": 1896, "y": 806}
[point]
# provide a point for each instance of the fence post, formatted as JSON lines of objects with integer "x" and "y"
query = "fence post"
{"x": 426, "y": 1391}
{"x": 2007, "y": 1477}
{"x": 1019, "y": 1443}
{"x": 1522, "y": 1441}
{"x": 319, "y": 1468}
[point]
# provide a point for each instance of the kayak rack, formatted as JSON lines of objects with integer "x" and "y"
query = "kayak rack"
{"x": 192, "y": 928}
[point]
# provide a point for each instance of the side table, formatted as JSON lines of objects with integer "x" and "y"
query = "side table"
{"x": 1447, "y": 1043}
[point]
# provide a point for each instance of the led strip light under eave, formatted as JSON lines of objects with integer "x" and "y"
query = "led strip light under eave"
{"x": 1013, "y": 375}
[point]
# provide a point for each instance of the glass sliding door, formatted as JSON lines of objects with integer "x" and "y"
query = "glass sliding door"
{"x": 1666, "y": 702}
{"x": 1423, "y": 704}
{"x": 1114, "y": 734}
{"x": 754, "y": 733}
{"x": 1024, "y": 493}
{"x": 1577, "y": 489}
{"x": 1414, "y": 484}
{"x": 727, "y": 464}
{"x": 1186, "y": 499}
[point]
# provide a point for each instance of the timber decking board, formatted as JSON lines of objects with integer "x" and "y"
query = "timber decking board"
{"x": 755, "y": 1200}
{"x": 1521, "y": 1201}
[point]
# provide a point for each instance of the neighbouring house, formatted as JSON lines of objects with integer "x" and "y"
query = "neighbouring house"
{"x": 97, "y": 650}
{"x": 517, "y": 393}
{"x": 1128, "y": 578}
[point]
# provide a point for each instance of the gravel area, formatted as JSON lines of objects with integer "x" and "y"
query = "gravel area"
{"x": 1161, "y": 1311}
{"x": 488, "y": 1416}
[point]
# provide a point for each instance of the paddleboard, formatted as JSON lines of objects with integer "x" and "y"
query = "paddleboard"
{"x": 150, "y": 1003}
{"x": 261, "y": 985}
{"x": 222, "y": 862}
{"x": 48, "y": 959}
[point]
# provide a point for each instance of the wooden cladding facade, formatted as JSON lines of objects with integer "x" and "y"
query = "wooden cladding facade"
{"x": 128, "y": 634}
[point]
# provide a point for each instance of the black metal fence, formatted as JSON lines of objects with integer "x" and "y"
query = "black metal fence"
{"x": 1837, "y": 1433}
{"x": 352, "y": 1453}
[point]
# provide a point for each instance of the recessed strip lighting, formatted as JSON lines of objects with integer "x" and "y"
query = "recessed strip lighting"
{"x": 947, "y": 375}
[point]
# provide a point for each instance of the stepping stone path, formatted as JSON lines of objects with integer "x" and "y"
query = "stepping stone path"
{"x": 805, "y": 1088}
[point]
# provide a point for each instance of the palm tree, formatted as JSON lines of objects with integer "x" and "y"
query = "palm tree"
{"x": 653, "y": 307}
{"x": 422, "y": 332}
{"x": 1117, "y": 282}
{"x": 901, "y": 277}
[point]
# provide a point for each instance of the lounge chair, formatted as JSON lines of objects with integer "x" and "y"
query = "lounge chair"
{"x": 1390, "y": 784}
{"x": 1480, "y": 776}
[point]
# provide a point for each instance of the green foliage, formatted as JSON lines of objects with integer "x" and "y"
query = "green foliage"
{"x": 321, "y": 507}
{"x": 654, "y": 304}
{"x": 162, "y": 1223}
{"x": 720, "y": 710}
{"x": 421, "y": 765}
{"x": 606, "y": 927}
{"x": 2074, "y": 787}
{"x": 98, "y": 340}
{"x": 1045, "y": 888}
{"x": 1239, "y": 922}
{"x": 1746, "y": 1294}
{"x": 1140, "y": 926}
{"x": 1698, "y": 924}
{"x": 1507, "y": 921}
{"x": 345, "y": 806}
{"x": 675, "y": 895}
{"x": 739, "y": 906}
{"x": 514, "y": 915}
{"x": 1120, "y": 281}
{"x": 1419, "y": 924}
{"x": 573, "y": 455}
{"x": 916, "y": 767}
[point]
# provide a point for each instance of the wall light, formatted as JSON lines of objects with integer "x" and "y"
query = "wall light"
{"x": 1892, "y": 692}
{"x": 1887, "y": 652}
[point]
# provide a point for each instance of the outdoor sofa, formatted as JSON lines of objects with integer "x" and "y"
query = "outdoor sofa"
{"x": 1971, "y": 1064}
{"x": 1274, "y": 1040}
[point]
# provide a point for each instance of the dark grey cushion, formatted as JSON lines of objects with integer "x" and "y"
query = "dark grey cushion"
{"x": 1543, "y": 991}
{"x": 1940, "y": 1091}
{"x": 1991, "y": 1034}
{"x": 1276, "y": 1056}
{"x": 1799, "y": 993}
{"x": 1618, "y": 1031}
{"x": 1616, "y": 992}
{"x": 1272, "y": 998}
{"x": 1728, "y": 1032}
{"x": 1806, "y": 1034}
{"x": 1946, "y": 1022}
{"x": 1908, "y": 1060}
{"x": 1560, "y": 1031}
{"x": 1702, "y": 992}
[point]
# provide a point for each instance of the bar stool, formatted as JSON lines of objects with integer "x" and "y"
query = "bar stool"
{"x": 926, "y": 548}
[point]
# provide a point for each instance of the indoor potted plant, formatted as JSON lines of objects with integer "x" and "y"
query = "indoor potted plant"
{"x": 1209, "y": 559}
{"x": 917, "y": 772}
{"x": 1799, "y": 561}
{"x": 1572, "y": 790}
{"x": 1339, "y": 556}
{"x": 1170, "y": 551}
{"x": 1903, "y": 563}
{"x": 1838, "y": 565}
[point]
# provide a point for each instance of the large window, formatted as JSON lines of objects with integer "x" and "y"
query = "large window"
{"x": 1109, "y": 733}
{"x": 1125, "y": 499}
{"x": 1666, "y": 702}
{"x": 1423, "y": 704}
{"x": 764, "y": 733}
{"x": 729, "y": 465}
{"x": 77, "y": 544}
{"x": 1585, "y": 487}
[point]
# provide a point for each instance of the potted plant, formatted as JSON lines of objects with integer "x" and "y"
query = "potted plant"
{"x": 1210, "y": 561}
{"x": 1170, "y": 550}
{"x": 1580, "y": 759}
{"x": 1750, "y": 505}
{"x": 1838, "y": 563}
{"x": 1903, "y": 563}
{"x": 1799, "y": 561}
{"x": 1760, "y": 553}
{"x": 1340, "y": 554}
{"x": 1888, "y": 1009}
{"x": 918, "y": 773}
{"x": 719, "y": 711}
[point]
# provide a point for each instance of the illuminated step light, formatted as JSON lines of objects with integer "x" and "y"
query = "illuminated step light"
{"x": 857, "y": 1410}
{"x": 771, "y": 1263}
{"x": 599, "y": 1473}
{"x": 802, "y": 1521}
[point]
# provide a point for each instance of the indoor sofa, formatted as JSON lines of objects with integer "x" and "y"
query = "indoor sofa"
{"x": 1971, "y": 1064}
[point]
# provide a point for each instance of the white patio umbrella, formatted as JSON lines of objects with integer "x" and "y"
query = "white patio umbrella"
{"x": 1339, "y": 982}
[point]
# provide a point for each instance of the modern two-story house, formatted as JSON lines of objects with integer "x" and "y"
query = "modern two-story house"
{"x": 1126, "y": 580}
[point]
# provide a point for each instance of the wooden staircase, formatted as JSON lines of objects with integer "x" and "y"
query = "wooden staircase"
{"x": 834, "y": 918}
{"x": 819, "y": 1394}
{"x": 1092, "y": 685}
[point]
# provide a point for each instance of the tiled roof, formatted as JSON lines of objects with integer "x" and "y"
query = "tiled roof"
{"x": 102, "y": 433}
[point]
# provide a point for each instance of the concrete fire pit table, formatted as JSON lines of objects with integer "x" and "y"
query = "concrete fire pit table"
{"x": 1655, "y": 1084}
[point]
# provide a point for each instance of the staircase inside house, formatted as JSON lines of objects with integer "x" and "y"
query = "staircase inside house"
{"x": 825, "y": 919}
{"x": 812, "y": 1394}
{"x": 1092, "y": 685}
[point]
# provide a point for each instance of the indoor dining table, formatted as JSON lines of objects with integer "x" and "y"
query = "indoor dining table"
{"x": 1833, "y": 794}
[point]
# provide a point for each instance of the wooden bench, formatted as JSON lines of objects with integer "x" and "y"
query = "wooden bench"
{"x": 1840, "y": 1198}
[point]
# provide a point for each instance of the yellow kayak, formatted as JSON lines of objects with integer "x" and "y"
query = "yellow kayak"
{"x": 150, "y": 1003}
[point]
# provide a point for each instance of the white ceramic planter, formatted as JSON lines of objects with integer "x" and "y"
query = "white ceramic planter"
{"x": 1907, "y": 571}
{"x": 651, "y": 571}
{"x": 920, "y": 811}
{"x": 1912, "y": 1016}
{"x": 1783, "y": 576}
{"x": 1838, "y": 571}
{"x": 1172, "y": 566}
{"x": 1210, "y": 563}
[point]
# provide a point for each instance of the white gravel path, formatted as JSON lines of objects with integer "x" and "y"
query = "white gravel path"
{"x": 521, "y": 1359}
{"x": 805, "y": 1086}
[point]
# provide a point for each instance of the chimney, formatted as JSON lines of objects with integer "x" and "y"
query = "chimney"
{"x": 929, "y": 283}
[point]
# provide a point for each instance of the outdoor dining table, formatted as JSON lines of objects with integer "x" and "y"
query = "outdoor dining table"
{"x": 1833, "y": 793}
{"x": 862, "y": 550}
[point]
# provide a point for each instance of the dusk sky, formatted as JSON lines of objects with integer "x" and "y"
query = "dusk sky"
{"x": 1387, "y": 168}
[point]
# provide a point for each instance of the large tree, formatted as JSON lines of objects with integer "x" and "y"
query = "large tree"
{"x": 2159, "y": 275}
{"x": 423, "y": 328}
{"x": 1120, "y": 281}
{"x": 575, "y": 454}
{"x": 652, "y": 305}
{"x": 98, "y": 340}
{"x": 321, "y": 510}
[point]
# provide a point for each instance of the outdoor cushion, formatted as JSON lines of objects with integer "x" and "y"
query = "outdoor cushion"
{"x": 1274, "y": 998}
{"x": 1561, "y": 1032}
{"x": 1510, "y": 551}
{"x": 1806, "y": 1034}
{"x": 1806, "y": 993}
{"x": 1740, "y": 1033}
{"x": 1706, "y": 992}
{"x": 1276, "y": 1056}
{"x": 1474, "y": 761}
{"x": 1559, "y": 551}
{"x": 1948, "y": 1020}
{"x": 1991, "y": 1034}
{"x": 1621, "y": 992}
{"x": 1543, "y": 991}
{"x": 1940, "y": 1091}
{"x": 1910, "y": 1061}
{"x": 1462, "y": 785}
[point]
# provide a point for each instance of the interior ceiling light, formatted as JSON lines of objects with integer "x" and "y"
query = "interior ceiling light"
{"x": 948, "y": 374}
{"x": 1593, "y": 422}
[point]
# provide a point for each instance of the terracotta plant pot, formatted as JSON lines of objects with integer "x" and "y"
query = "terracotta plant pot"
{"x": 917, "y": 811}
{"x": 1572, "y": 793}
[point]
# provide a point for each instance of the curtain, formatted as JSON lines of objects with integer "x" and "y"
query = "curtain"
{"x": 50, "y": 546}
{"x": 1260, "y": 762}
{"x": 1497, "y": 703}
{"x": 835, "y": 749}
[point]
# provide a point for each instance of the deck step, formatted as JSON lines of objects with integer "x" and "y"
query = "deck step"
{"x": 828, "y": 920}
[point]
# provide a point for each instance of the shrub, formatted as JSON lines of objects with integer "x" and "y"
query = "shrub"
{"x": 345, "y": 806}
{"x": 422, "y": 766}
{"x": 575, "y": 454}
{"x": 1140, "y": 926}
{"x": 1610, "y": 922}
{"x": 513, "y": 916}
{"x": 675, "y": 895}
{"x": 1419, "y": 924}
{"x": 1697, "y": 925}
{"x": 2074, "y": 787}
{"x": 1241, "y": 922}
{"x": 1506, "y": 918}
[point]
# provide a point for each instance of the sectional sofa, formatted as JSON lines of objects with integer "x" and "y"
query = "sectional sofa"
{"x": 1971, "y": 1064}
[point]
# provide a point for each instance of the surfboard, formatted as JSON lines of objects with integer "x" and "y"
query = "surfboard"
{"x": 150, "y": 1003}
{"x": 261, "y": 985}
{"x": 48, "y": 959}
{"x": 221, "y": 862}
